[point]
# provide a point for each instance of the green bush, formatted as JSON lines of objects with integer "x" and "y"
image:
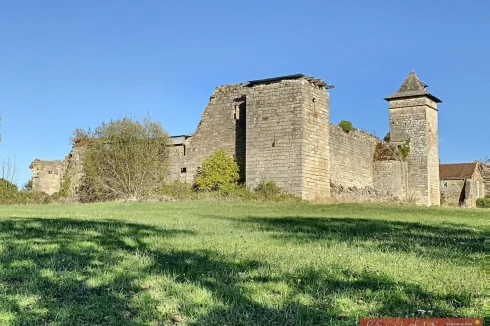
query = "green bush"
{"x": 480, "y": 202}
{"x": 7, "y": 189}
{"x": 346, "y": 125}
{"x": 268, "y": 190}
{"x": 483, "y": 203}
{"x": 65, "y": 187}
{"x": 218, "y": 171}
{"x": 236, "y": 191}
{"x": 178, "y": 190}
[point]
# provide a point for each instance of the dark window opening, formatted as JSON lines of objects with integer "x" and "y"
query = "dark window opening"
{"x": 50, "y": 172}
{"x": 183, "y": 170}
{"x": 184, "y": 150}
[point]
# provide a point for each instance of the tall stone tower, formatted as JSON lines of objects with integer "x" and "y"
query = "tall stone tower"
{"x": 413, "y": 123}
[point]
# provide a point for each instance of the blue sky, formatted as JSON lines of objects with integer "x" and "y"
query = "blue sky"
{"x": 74, "y": 64}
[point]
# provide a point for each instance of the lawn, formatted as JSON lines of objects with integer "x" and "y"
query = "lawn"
{"x": 203, "y": 263}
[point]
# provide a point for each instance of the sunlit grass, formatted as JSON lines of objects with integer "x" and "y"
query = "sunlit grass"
{"x": 237, "y": 263}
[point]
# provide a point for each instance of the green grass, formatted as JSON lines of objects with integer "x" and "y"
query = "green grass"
{"x": 202, "y": 263}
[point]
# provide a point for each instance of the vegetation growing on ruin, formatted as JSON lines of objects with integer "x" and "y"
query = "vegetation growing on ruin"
{"x": 405, "y": 150}
{"x": 346, "y": 125}
{"x": 386, "y": 152}
{"x": 205, "y": 263}
{"x": 65, "y": 186}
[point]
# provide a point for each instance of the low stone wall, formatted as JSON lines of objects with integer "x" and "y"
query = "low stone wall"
{"x": 391, "y": 176}
{"x": 339, "y": 193}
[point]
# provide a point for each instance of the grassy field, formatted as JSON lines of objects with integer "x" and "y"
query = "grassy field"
{"x": 204, "y": 263}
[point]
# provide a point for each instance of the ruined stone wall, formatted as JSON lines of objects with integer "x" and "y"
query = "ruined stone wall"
{"x": 178, "y": 157}
{"x": 73, "y": 167}
{"x": 216, "y": 130}
{"x": 415, "y": 120}
{"x": 452, "y": 191}
{"x": 274, "y": 135}
{"x": 47, "y": 175}
{"x": 486, "y": 178}
{"x": 391, "y": 176}
{"x": 351, "y": 157}
{"x": 316, "y": 144}
{"x": 276, "y": 131}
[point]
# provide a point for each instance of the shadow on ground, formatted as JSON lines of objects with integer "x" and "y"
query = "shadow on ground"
{"x": 447, "y": 242}
{"x": 72, "y": 272}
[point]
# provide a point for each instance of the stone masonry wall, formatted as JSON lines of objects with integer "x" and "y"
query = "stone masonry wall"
{"x": 216, "y": 130}
{"x": 351, "y": 157}
{"x": 410, "y": 120}
{"x": 452, "y": 191}
{"x": 316, "y": 144}
{"x": 274, "y": 134}
{"x": 47, "y": 175}
{"x": 433, "y": 155}
{"x": 391, "y": 176}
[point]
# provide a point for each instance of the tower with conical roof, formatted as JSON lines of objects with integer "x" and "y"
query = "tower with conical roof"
{"x": 414, "y": 123}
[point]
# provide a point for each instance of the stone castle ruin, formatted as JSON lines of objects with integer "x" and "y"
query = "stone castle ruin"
{"x": 278, "y": 129}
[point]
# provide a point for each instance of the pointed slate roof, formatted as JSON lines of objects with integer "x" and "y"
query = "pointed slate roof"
{"x": 412, "y": 87}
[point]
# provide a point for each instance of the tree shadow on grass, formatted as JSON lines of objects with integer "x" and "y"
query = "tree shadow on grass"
{"x": 447, "y": 242}
{"x": 74, "y": 272}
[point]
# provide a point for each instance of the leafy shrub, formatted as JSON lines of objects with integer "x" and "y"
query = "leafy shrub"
{"x": 65, "y": 187}
{"x": 346, "y": 125}
{"x": 218, "y": 171}
{"x": 482, "y": 203}
{"x": 178, "y": 190}
{"x": 268, "y": 190}
{"x": 7, "y": 189}
{"x": 237, "y": 191}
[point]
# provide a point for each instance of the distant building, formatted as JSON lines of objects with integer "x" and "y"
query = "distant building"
{"x": 463, "y": 183}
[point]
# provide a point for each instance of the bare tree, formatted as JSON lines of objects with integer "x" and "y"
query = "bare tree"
{"x": 8, "y": 176}
{"x": 8, "y": 169}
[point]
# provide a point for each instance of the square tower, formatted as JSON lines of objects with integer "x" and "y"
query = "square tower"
{"x": 414, "y": 123}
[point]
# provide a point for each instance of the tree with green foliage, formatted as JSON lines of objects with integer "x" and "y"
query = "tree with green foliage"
{"x": 28, "y": 185}
{"x": 218, "y": 171}
{"x": 126, "y": 159}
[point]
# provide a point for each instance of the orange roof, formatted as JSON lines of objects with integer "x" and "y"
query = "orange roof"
{"x": 457, "y": 170}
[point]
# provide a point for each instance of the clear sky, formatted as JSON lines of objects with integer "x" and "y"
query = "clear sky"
{"x": 68, "y": 64}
